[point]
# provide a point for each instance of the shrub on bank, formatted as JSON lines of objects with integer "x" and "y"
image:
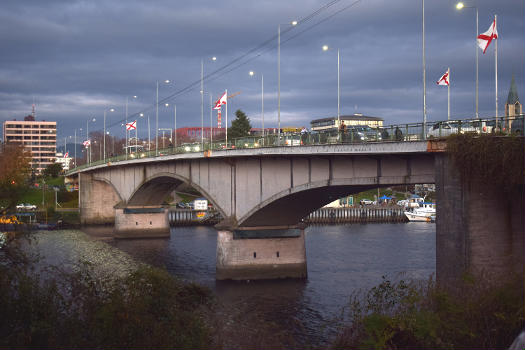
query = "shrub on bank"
{"x": 421, "y": 315}
{"x": 75, "y": 310}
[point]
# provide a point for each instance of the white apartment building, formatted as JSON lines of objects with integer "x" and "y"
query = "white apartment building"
{"x": 39, "y": 137}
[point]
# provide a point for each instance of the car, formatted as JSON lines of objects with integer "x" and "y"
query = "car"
{"x": 449, "y": 127}
{"x": 365, "y": 201}
{"x": 26, "y": 206}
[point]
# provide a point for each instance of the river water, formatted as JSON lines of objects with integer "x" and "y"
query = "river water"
{"x": 341, "y": 259}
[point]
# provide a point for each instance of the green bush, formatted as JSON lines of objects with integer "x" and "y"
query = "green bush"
{"x": 420, "y": 315}
{"x": 66, "y": 310}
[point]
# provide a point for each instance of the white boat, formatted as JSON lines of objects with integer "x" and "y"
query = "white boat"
{"x": 425, "y": 212}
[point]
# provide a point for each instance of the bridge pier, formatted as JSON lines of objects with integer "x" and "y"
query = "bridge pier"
{"x": 257, "y": 253}
{"x": 141, "y": 223}
{"x": 479, "y": 227}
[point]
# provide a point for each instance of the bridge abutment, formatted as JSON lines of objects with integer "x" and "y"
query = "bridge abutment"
{"x": 479, "y": 227}
{"x": 280, "y": 254}
{"x": 141, "y": 223}
{"x": 97, "y": 201}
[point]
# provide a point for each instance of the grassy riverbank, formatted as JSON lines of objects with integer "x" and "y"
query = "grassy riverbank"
{"x": 420, "y": 315}
{"x": 59, "y": 309}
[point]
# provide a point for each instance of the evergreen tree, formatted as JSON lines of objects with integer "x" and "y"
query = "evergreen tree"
{"x": 240, "y": 126}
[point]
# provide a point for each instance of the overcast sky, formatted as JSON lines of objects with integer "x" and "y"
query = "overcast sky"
{"x": 76, "y": 58}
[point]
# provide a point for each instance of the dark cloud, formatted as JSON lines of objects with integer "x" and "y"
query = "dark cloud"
{"x": 75, "y": 58}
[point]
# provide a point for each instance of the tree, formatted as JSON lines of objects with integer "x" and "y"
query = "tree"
{"x": 240, "y": 126}
{"x": 15, "y": 170}
{"x": 53, "y": 170}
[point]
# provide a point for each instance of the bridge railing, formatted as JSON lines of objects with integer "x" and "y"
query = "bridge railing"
{"x": 351, "y": 135}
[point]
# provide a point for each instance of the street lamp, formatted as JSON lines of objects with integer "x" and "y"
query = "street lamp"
{"x": 111, "y": 110}
{"x": 460, "y": 5}
{"x": 293, "y": 23}
{"x": 157, "y": 118}
{"x": 326, "y": 48}
{"x": 252, "y": 73}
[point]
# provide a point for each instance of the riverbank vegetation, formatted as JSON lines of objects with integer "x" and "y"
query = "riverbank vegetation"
{"x": 58, "y": 309}
{"x": 421, "y": 315}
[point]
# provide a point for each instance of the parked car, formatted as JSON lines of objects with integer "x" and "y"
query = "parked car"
{"x": 365, "y": 201}
{"x": 449, "y": 127}
{"x": 26, "y": 206}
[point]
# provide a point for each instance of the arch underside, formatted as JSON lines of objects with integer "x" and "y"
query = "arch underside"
{"x": 290, "y": 209}
{"x": 154, "y": 191}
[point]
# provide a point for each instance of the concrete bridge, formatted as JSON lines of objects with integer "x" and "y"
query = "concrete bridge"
{"x": 264, "y": 193}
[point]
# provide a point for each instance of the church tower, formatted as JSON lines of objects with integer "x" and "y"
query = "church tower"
{"x": 513, "y": 106}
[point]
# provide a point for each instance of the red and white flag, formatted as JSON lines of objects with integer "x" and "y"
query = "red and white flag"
{"x": 66, "y": 155}
{"x": 132, "y": 125}
{"x": 221, "y": 101}
{"x": 86, "y": 143}
{"x": 484, "y": 39}
{"x": 444, "y": 79}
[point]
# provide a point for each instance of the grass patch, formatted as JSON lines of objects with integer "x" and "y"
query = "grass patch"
{"x": 421, "y": 315}
{"x": 148, "y": 309}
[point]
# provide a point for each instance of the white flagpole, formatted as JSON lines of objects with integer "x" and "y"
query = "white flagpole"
{"x": 136, "y": 134}
{"x": 226, "y": 118}
{"x": 496, "y": 70}
{"x": 448, "y": 85}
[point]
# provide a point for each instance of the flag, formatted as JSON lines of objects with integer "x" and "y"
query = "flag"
{"x": 221, "y": 101}
{"x": 484, "y": 39}
{"x": 444, "y": 79}
{"x": 66, "y": 155}
{"x": 86, "y": 143}
{"x": 132, "y": 125}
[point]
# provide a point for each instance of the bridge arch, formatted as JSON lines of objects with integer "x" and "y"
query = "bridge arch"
{"x": 152, "y": 191}
{"x": 282, "y": 207}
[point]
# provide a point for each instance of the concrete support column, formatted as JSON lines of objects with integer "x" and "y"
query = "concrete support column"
{"x": 281, "y": 254}
{"x": 141, "y": 223}
{"x": 479, "y": 226}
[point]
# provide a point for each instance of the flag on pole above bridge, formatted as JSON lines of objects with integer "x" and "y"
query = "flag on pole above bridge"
{"x": 66, "y": 155}
{"x": 86, "y": 143}
{"x": 221, "y": 101}
{"x": 444, "y": 78}
{"x": 484, "y": 39}
{"x": 132, "y": 125}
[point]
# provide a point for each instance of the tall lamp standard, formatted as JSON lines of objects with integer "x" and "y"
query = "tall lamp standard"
{"x": 157, "y": 118}
{"x": 105, "y": 110}
{"x": 326, "y": 48}
{"x": 252, "y": 73}
{"x": 460, "y": 5}
{"x": 293, "y": 23}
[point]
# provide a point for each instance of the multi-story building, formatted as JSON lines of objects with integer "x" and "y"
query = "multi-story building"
{"x": 38, "y": 137}
{"x": 64, "y": 160}
{"x": 356, "y": 119}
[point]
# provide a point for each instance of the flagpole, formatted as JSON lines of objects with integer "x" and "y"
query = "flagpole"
{"x": 424, "y": 79}
{"x": 448, "y": 85}
{"x": 136, "y": 134}
{"x": 175, "y": 125}
{"x": 496, "y": 70}
{"x": 226, "y": 118}
{"x": 126, "y": 127}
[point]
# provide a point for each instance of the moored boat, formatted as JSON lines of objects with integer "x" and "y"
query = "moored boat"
{"x": 425, "y": 212}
